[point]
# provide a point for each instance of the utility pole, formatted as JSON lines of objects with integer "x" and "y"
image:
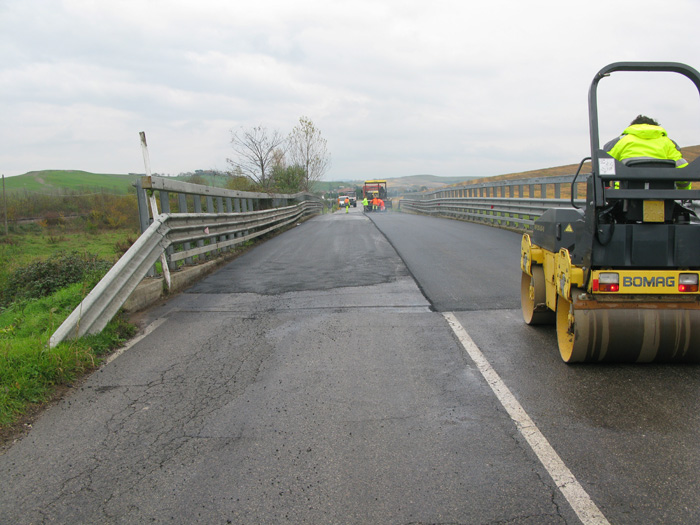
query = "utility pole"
{"x": 4, "y": 203}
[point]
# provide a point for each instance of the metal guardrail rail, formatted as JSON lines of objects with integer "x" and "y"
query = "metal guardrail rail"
{"x": 232, "y": 217}
{"x": 500, "y": 203}
{"x": 185, "y": 198}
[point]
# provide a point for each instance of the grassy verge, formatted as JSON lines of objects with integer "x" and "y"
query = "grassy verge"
{"x": 32, "y": 241}
{"x": 29, "y": 370}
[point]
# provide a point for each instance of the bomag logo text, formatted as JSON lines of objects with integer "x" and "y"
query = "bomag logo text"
{"x": 649, "y": 282}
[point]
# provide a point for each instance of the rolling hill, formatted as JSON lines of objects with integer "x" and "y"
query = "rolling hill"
{"x": 690, "y": 153}
{"x": 55, "y": 181}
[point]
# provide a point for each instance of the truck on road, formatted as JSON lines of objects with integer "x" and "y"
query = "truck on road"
{"x": 375, "y": 188}
{"x": 351, "y": 198}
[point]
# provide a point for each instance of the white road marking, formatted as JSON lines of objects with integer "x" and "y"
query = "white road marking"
{"x": 155, "y": 324}
{"x": 580, "y": 501}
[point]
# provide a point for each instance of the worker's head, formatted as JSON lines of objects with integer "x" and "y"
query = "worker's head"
{"x": 642, "y": 119}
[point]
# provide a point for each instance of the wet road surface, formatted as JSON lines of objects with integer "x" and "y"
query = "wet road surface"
{"x": 315, "y": 380}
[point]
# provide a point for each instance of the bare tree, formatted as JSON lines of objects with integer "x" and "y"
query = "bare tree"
{"x": 307, "y": 148}
{"x": 255, "y": 150}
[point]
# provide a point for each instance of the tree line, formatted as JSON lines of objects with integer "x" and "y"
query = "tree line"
{"x": 275, "y": 162}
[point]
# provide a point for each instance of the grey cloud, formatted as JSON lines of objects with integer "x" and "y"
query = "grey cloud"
{"x": 449, "y": 88}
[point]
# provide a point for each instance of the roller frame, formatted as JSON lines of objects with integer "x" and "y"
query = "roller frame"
{"x": 608, "y": 327}
{"x": 568, "y": 246}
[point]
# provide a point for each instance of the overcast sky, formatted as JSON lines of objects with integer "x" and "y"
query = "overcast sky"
{"x": 449, "y": 88}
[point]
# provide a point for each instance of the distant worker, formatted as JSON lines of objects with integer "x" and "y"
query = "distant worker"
{"x": 645, "y": 139}
{"x": 375, "y": 203}
{"x": 365, "y": 203}
{"x": 381, "y": 205}
{"x": 347, "y": 205}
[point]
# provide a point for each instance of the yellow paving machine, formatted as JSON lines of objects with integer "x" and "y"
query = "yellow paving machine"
{"x": 376, "y": 188}
{"x": 619, "y": 276}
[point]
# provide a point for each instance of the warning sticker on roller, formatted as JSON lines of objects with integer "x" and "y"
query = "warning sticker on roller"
{"x": 606, "y": 166}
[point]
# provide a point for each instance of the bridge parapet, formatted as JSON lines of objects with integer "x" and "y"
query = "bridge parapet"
{"x": 512, "y": 204}
{"x": 219, "y": 220}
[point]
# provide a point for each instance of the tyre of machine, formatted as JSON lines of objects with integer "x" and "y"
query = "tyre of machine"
{"x": 619, "y": 277}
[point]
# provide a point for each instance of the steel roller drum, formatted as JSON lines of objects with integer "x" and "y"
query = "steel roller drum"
{"x": 533, "y": 298}
{"x": 619, "y": 332}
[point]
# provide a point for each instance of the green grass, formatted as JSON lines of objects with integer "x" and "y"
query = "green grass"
{"x": 29, "y": 370}
{"x": 49, "y": 181}
{"x": 19, "y": 249}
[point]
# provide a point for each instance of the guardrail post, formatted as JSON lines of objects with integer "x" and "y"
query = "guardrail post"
{"x": 182, "y": 208}
{"x": 237, "y": 209}
{"x": 142, "y": 201}
{"x": 220, "y": 209}
{"x": 210, "y": 209}
{"x": 245, "y": 208}
{"x": 200, "y": 242}
{"x": 144, "y": 215}
{"x": 164, "y": 198}
{"x": 229, "y": 209}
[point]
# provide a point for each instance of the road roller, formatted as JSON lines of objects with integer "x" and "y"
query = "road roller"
{"x": 618, "y": 276}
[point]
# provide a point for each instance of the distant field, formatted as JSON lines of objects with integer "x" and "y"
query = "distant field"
{"x": 54, "y": 181}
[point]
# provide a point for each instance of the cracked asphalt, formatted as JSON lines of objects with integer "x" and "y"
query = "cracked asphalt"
{"x": 308, "y": 381}
{"x": 313, "y": 380}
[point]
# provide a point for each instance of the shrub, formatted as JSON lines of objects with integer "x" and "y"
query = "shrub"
{"x": 121, "y": 247}
{"x": 42, "y": 278}
{"x": 99, "y": 210}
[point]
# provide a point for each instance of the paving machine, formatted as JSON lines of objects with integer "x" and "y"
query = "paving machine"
{"x": 376, "y": 188}
{"x": 619, "y": 276}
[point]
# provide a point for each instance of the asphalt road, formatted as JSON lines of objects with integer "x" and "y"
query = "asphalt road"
{"x": 315, "y": 380}
{"x": 629, "y": 433}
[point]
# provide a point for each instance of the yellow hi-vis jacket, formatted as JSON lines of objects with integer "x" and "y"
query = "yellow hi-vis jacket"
{"x": 645, "y": 141}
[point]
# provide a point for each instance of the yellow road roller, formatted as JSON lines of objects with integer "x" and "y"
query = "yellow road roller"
{"x": 619, "y": 276}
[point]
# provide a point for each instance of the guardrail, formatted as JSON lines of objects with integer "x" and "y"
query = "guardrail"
{"x": 194, "y": 198}
{"x": 185, "y": 237}
{"x": 499, "y": 203}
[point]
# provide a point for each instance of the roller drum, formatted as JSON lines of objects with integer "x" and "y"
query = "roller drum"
{"x": 628, "y": 334}
{"x": 533, "y": 298}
